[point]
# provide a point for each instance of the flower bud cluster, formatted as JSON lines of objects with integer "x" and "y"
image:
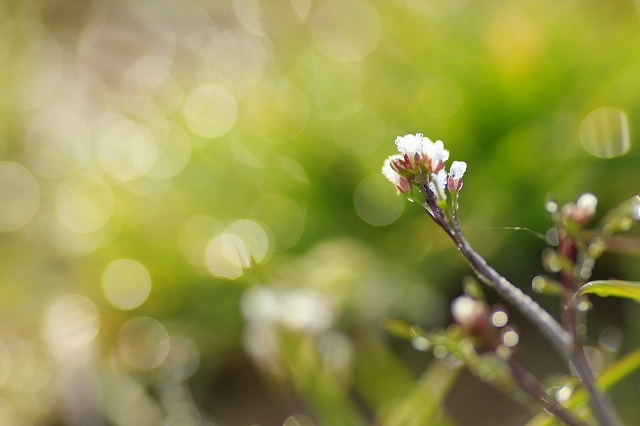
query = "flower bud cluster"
{"x": 568, "y": 222}
{"x": 488, "y": 326}
{"x": 585, "y": 208}
{"x": 419, "y": 156}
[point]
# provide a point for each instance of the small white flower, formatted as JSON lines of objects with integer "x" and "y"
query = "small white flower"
{"x": 441, "y": 178}
{"x": 402, "y": 183}
{"x": 457, "y": 169}
{"x": 439, "y": 153}
{"x": 436, "y": 155}
{"x": 587, "y": 203}
{"x": 389, "y": 173}
{"x": 427, "y": 145}
{"x": 454, "y": 183}
{"x": 409, "y": 144}
{"x": 468, "y": 313}
{"x": 438, "y": 184}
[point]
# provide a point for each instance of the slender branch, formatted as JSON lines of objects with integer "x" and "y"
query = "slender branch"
{"x": 531, "y": 309}
{"x": 602, "y": 406}
{"x": 530, "y": 384}
{"x": 563, "y": 341}
{"x": 456, "y": 218}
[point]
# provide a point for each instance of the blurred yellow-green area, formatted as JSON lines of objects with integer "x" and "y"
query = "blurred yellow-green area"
{"x": 194, "y": 229}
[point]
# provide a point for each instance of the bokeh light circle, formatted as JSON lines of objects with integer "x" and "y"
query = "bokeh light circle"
{"x": 84, "y": 203}
{"x": 283, "y": 217}
{"x": 75, "y": 244}
{"x": 194, "y": 236}
{"x": 277, "y": 112}
{"x": 57, "y": 142}
{"x": 248, "y": 13}
{"x": 71, "y": 322}
{"x": 148, "y": 90}
{"x": 217, "y": 254}
{"x": 32, "y": 70}
{"x": 6, "y": 36}
{"x": 253, "y": 236}
{"x": 126, "y": 283}
{"x": 243, "y": 243}
{"x": 210, "y": 110}
{"x": 127, "y": 150}
{"x": 23, "y": 363}
{"x": 301, "y": 8}
{"x": 143, "y": 343}
{"x": 237, "y": 58}
{"x": 174, "y": 150}
{"x": 182, "y": 360}
{"x": 298, "y": 420}
{"x": 440, "y": 96}
{"x": 346, "y": 31}
{"x": 360, "y": 133}
{"x": 377, "y": 202}
{"x": 19, "y": 194}
{"x": 5, "y": 363}
{"x": 235, "y": 250}
{"x": 605, "y": 132}
{"x": 333, "y": 89}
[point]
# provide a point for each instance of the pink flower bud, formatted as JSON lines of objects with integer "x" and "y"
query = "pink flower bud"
{"x": 390, "y": 171}
{"x": 585, "y": 209}
{"x": 404, "y": 185}
{"x": 454, "y": 182}
{"x": 470, "y": 314}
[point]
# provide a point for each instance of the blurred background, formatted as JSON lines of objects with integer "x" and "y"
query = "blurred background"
{"x": 194, "y": 229}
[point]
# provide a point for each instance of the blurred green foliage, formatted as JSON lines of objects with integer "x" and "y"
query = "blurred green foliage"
{"x": 232, "y": 149}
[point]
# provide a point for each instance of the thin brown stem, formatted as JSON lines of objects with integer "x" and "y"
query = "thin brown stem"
{"x": 532, "y": 310}
{"x": 530, "y": 384}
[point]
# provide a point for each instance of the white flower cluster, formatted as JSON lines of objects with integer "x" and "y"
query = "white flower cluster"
{"x": 418, "y": 153}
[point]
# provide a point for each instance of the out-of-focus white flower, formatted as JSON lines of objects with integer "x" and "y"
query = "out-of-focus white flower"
{"x": 454, "y": 183}
{"x": 403, "y": 184}
{"x": 470, "y": 314}
{"x": 435, "y": 155}
{"x": 588, "y": 203}
{"x": 306, "y": 310}
{"x": 584, "y": 210}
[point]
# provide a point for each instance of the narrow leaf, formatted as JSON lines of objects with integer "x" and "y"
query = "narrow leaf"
{"x": 621, "y": 217}
{"x": 615, "y": 288}
{"x": 423, "y": 403}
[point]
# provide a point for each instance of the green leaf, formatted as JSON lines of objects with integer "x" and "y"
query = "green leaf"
{"x": 422, "y": 405}
{"x": 615, "y": 288}
{"x": 400, "y": 328}
{"x": 621, "y": 217}
{"x": 609, "y": 377}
